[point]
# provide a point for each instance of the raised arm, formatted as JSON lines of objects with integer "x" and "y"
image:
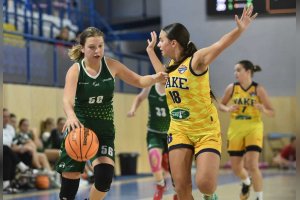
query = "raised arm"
{"x": 265, "y": 106}
{"x": 138, "y": 100}
{"x": 203, "y": 57}
{"x": 225, "y": 99}
{"x": 69, "y": 98}
{"x": 130, "y": 77}
{"x": 158, "y": 66}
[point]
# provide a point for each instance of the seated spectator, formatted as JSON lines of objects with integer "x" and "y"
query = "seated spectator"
{"x": 63, "y": 34}
{"x": 46, "y": 127}
{"x": 287, "y": 156}
{"x": 10, "y": 158}
{"x": 28, "y": 139}
{"x": 53, "y": 142}
{"x": 77, "y": 38}
{"x": 13, "y": 121}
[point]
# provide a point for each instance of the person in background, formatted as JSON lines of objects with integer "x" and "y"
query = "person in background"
{"x": 245, "y": 132}
{"x": 46, "y": 127}
{"x": 13, "y": 121}
{"x": 53, "y": 143}
{"x": 63, "y": 34}
{"x": 158, "y": 125}
{"x": 26, "y": 138}
{"x": 286, "y": 159}
{"x": 11, "y": 158}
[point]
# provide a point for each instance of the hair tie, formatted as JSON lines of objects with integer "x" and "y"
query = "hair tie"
{"x": 188, "y": 43}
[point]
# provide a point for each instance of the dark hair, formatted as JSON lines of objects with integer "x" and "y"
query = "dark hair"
{"x": 60, "y": 119}
{"x": 75, "y": 53}
{"x": 248, "y": 65}
{"x": 22, "y": 121}
{"x": 12, "y": 115}
{"x": 178, "y": 32}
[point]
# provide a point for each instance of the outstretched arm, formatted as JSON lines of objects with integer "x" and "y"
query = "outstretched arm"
{"x": 158, "y": 66}
{"x": 132, "y": 78}
{"x": 203, "y": 57}
{"x": 138, "y": 100}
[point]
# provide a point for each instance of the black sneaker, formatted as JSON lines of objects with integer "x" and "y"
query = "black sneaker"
{"x": 245, "y": 193}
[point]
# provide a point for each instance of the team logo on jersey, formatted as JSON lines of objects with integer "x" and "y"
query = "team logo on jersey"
{"x": 161, "y": 99}
{"x": 252, "y": 94}
{"x": 96, "y": 84}
{"x": 182, "y": 69}
{"x": 179, "y": 113}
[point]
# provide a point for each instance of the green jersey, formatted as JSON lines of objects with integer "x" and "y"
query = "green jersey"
{"x": 159, "y": 117}
{"x": 94, "y": 94}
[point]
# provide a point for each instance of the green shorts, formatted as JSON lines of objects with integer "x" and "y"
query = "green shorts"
{"x": 157, "y": 140}
{"x": 105, "y": 132}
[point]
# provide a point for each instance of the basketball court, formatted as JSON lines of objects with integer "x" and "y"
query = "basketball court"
{"x": 278, "y": 185}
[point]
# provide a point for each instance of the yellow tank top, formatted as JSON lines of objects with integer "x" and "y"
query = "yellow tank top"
{"x": 245, "y": 99}
{"x": 189, "y": 101}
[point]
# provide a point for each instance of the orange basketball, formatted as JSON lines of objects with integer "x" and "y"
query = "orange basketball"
{"x": 81, "y": 144}
{"x": 42, "y": 182}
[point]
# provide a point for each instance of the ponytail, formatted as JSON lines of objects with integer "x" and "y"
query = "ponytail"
{"x": 75, "y": 53}
{"x": 256, "y": 68}
{"x": 248, "y": 65}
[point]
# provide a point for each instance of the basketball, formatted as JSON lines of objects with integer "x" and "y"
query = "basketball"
{"x": 42, "y": 182}
{"x": 81, "y": 144}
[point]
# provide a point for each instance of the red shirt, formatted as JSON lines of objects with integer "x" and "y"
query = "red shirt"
{"x": 288, "y": 153}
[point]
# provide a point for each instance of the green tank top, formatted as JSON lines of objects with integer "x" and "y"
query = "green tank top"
{"x": 159, "y": 117}
{"x": 94, "y": 94}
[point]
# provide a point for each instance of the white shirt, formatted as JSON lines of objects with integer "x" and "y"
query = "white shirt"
{"x": 8, "y": 135}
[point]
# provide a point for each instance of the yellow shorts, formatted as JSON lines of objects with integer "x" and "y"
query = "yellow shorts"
{"x": 210, "y": 142}
{"x": 244, "y": 135}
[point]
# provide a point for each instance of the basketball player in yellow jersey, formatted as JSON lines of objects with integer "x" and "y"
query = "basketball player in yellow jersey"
{"x": 194, "y": 128}
{"x": 245, "y": 133}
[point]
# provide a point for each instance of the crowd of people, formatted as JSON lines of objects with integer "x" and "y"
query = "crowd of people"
{"x": 32, "y": 153}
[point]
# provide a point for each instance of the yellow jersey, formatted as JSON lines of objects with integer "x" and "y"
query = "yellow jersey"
{"x": 245, "y": 99}
{"x": 188, "y": 96}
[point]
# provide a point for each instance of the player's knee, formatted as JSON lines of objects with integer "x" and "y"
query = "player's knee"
{"x": 103, "y": 176}
{"x": 68, "y": 188}
{"x": 206, "y": 186}
{"x": 155, "y": 159}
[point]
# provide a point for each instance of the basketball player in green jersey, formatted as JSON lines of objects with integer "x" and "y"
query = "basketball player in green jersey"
{"x": 245, "y": 133}
{"x": 194, "y": 129}
{"x": 158, "y": 125}
{"x": 88, "y": 102}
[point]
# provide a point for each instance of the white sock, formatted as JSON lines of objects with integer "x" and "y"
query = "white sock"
{"x": 259, "y": 195}
{"x": 22, "y": 166}
{"x": 161, "y": 183}
{"x": 5, "y": 184}
{"x": 247, "y": 181}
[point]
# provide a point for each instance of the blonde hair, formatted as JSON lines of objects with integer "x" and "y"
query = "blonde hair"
{"x": 75, "y": 53}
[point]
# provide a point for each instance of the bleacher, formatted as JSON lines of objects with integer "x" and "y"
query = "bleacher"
{"x": 30, "y": 28}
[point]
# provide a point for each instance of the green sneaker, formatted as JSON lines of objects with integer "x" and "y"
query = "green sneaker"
{"x": 213, "y": 197}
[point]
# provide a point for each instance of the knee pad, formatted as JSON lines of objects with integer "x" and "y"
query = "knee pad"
{"x": 69, "y": 188}
{"x": 155, "y": 159}
{"x": 103, "y": 176}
